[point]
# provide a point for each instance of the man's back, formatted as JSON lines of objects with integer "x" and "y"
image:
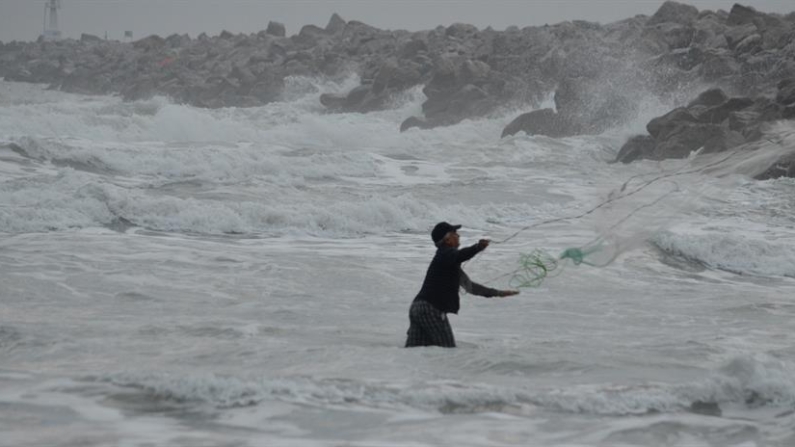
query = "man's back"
{"x": 442, "y": 280}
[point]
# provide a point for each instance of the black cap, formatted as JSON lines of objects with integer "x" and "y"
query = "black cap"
{"x": 441, "y": 229}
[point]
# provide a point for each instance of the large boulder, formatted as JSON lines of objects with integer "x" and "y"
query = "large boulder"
{"x": 718, "y": 64}
{"x": 276, "y": 29}
{"x": 709, "y": 98}
{"x": 335, "y": 24}
{"x": 460, "y": 31}
{"x": 353, "y": 101}
{"x": 742, "y": 15}
{"x": 687, "y": 137}
{"x": 637, "y": 147}
{"x": 413, "y": 48}
{"x": 720, "y": 113}
{"x": 177, "y": 41}
{"x": 673, "y": 12}
{"x": 662, "y": 126}
{"x": 151, "y": 43}
{"x": 414, "y": 121}
{"x": 391, "y": 78}
{"x": 461, "y": 89}
{"x": 737, "y": 34}
{"x": 394, "y": 77}
{"x": 540, "y": 122}
{"x": 668, "y": 36}
{"x": 712, "y": 123}
{"x": 750, "y": 44}
{"x": 89, "y": 38}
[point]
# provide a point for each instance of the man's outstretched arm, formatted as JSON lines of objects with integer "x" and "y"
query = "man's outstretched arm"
{"x": 481, "y": 290}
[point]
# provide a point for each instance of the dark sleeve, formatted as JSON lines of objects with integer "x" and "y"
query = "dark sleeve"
{"x": 465, "y": 254}
{"x": 475, "y": 288}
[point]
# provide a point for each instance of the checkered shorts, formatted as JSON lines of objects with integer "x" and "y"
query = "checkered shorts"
{"x": 428, "y": 326}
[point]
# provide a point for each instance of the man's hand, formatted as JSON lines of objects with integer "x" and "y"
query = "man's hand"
{"x": 483, "y": 243}
{"x": 504, "y": 293}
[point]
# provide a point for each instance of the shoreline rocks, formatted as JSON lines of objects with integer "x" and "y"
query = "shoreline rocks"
{"x": 713, "y": 122}
{"x": 597, "y": 74}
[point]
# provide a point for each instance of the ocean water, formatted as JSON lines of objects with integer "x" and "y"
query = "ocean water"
{"x": 241, "y": 277}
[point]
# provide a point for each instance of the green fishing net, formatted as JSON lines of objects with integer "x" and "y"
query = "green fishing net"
{"x": 538, "y": 265}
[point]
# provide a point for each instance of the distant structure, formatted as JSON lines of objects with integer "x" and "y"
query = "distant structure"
{"x": 51, "y": 8}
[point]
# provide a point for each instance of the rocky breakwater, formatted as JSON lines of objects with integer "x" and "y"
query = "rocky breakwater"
{"x": 227, "y": 70}
{"x": 719, "y": 119}
{"x": 672, "y": 55}
{"x": 713, "y": 122}
{"x": 596, "y": 74}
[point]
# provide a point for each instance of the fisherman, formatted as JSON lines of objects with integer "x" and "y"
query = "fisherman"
{"x": 439, "y": 293}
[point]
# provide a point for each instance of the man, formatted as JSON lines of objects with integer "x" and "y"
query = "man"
{"x": 439, "y": 293}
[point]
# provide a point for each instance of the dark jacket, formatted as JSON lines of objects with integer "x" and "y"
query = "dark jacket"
{"x": 445, "y": 276}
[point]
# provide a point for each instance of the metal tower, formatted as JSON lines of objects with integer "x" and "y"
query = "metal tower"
{"x": 51, "y": 32}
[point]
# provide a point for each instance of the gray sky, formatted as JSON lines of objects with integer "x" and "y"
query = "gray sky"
{"x": 23, "y": 19}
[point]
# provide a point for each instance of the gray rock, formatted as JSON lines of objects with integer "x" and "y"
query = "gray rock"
{"x": 670, "y": 35}
{"x": 414, "y": 121}
{"x": 357, "y": 96}
{"x": 737, "y": 34}
{"x": 332, "y": 101}
{"x": 685, "y": 137}
{"x": 461, "y": 31}
{"x": 412, "y": 48}
{"x": 709, "y": 98}
{"x": 276, "y": 29}
{"x": 335, "y": 24}
{"x": 151, "y": 43}
{"x": 719, "y": 113}
{"x": 750, "y": 44}
{"x": 718, "y": 64}
{"x": 662, "y": 126}
{"x": 457, "y": 91}
{"x": 742, "y": 15}
{"x": 778, "y": 35}
{"x": 673, "y": 12}
{"x": 89, "y": 38}
{"x": 361, "y": 99}
{"x": 178, "y": 41}
{"x": 637, "y": 147}
{"x": 393, "y": 77}
{"x": 309, "y": 36}
{"x": 539, "y": 122}
{"x": 786, "y": 92}
{"x": 722, "y": 141}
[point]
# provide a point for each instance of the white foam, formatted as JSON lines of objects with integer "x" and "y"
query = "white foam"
{"x": 751, "y": 381}
{"x": 310, "y": 322}
{"x": 74, "y": 199}
{"x": 724, "y": 249}
{"x": 743, "y": 381}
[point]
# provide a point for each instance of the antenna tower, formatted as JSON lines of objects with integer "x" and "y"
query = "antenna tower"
{"x": 51, "y": 8}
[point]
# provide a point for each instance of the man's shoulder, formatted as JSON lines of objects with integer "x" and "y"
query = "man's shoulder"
{"x": 446, "y": 251}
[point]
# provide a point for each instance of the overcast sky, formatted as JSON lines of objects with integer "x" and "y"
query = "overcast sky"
{"x": 23, "y": 19}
